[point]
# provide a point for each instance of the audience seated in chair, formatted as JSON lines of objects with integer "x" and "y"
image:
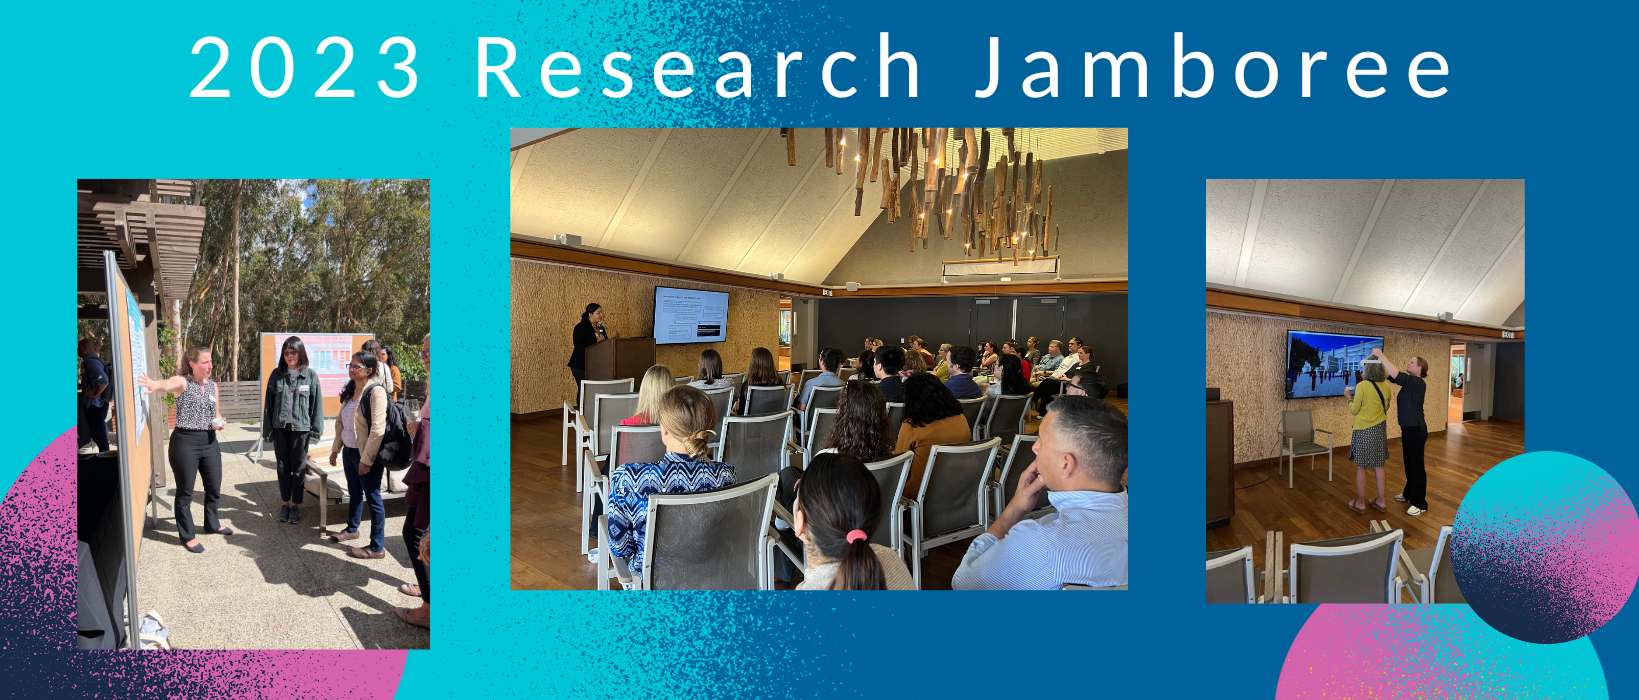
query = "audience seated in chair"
{"x": 838, "y": 507}
{"x": 889, "y": 362}
{"x": 687, "y": 422}
{"x": 656, "y": 382}
{"x": 932, "y": 417}
{"x": 1081, "y": 457}
{"x": 829, "y": 359}
{"x": 960, "y": 384}
{"x": 1010, "y": 378}
{"x": 710, "y": 372}
{"x": 1052, "y": 384}
{"x": 760, "y": 372}
{"x": 1050, "y": 361}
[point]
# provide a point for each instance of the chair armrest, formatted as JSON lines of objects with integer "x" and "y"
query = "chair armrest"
{"x": 568, "y": 410}
{"x": 1323, "y": 430}
{"x": 783, "y": 514}
{"x": 1409, "y": 570}
{"x": 794, "y": 447}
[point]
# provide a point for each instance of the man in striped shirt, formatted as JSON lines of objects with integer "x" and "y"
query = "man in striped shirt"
{"x": 1081, "y": 458}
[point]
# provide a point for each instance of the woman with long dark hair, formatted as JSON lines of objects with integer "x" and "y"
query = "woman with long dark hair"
{"x": 391, "y": 377}
{"x": 760, "y": 372}
{"x": 292, "y": 419}
{"x": 353, "y": 433}
{"x": 861, "y": 428}
{"x": 838, "y": 506}
{"x": 587, "y": 333}
{"x": 932, "y": 417}
{"x": 987, "y": 355}
{"x": 709, "y": 373}
{"x": 194, "y": 451}
{"x": 1010, "y": 378}
{"x": 377, "y": 349}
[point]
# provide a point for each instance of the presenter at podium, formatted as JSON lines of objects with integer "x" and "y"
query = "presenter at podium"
{"x": 588, "y": 332}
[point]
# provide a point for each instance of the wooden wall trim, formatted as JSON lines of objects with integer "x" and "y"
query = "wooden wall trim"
{"x": 547, "y": 137}
{"x": 1237, "y": 301}
{"x": 604, "y": 260}
{"x": 988, "y": 289}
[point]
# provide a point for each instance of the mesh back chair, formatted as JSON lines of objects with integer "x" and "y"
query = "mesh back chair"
{"x": 824, "y": 418}
{"x": 736, "y": 380}
{"x": 822, "y": 397}
{"x": 628, "y": 444}
{"x": 756, "y": 445}
{"x": 1229, "y": 577}
{"x": 767, "y": 400}
{"x": 807, "y": 374}
{"x": 971, "y": 409}
{"x": 891, "y": 475}
{"x": 573, "y": 417}
{"x": 896, "y": 420}
{"x": 1357, "y": 569}
{"x": 1006, "y": 417}
{"x": 680, "y": 381}
{"x": 1019, "y": 458}
{"x": 950, "y": 504}
{"x": 712, "y": 540}
{"x": 785, "y": 376}
{"x": 1427, "y": 574}
{"x": 1297, "y": 439}
{"x": 721, "y": 400}
{"x": 608, "y": 410}
{"x": 846, "y": 373}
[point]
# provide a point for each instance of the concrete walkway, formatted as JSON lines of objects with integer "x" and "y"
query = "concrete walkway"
{"x": 273, "y": 585}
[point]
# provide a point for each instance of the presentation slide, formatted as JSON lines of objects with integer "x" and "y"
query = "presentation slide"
{"x": 1321, "y": 364}
{"x": 689, "y": 316}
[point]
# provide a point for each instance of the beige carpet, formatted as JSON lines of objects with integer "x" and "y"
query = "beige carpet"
{"x": 273, "y": 585}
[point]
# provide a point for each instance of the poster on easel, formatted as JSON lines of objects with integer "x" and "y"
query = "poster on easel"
{"x": 128, "y": 342}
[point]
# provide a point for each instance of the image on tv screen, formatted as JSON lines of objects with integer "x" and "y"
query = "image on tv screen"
{"x": 1321, "y": 364}
{"x": 689, "y": 316}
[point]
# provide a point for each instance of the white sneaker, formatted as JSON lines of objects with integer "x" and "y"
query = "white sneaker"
{"x": 1401, "y": 498}
{"x": 1414, "y": 510}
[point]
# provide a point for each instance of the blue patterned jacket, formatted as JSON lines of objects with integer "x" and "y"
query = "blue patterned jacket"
{"x": 630, "y": 486}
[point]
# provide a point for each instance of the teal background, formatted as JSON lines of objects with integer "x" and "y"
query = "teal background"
{"x": 100, "y": 90}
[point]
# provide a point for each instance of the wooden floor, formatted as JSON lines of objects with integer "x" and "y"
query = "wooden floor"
{"x": 1318, "y": 510}
{"x": 546, "y": 516}
{"x": 1454, "y": 413}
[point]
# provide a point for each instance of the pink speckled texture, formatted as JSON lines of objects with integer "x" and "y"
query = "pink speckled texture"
{"x": 37, "y": 585}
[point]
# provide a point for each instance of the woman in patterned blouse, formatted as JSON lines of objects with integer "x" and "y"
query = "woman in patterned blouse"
{"x": 194, "y": 450}
{"x": 687, "y": 419}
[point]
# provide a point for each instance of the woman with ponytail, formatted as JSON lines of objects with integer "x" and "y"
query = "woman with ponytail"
{"x": 838, "y": 506}
{"x": 687, "y": 419}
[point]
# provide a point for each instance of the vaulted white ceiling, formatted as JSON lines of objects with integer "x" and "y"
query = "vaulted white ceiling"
{"x": 1409, "y": 246}
{"x": 722, "y": 198}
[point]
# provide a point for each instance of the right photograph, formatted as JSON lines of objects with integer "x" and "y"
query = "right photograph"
{"x": 1365, "y": 365}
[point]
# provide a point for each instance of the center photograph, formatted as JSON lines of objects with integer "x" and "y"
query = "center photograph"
{"x": 819, "y": 359}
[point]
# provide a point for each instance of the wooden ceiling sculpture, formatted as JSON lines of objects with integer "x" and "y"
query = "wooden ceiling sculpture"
{"x": 997, "y": 210}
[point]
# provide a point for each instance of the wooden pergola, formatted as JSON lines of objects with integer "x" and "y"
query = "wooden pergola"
{"x": 155, "y": 240}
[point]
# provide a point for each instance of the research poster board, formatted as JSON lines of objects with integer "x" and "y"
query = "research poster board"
{"x": 126, "y": 339}
{"x": 327, "y": 353}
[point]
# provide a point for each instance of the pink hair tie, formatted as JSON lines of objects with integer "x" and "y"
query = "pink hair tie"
{"x": 856, "y": 535}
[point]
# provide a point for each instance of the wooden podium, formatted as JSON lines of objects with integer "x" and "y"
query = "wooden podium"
{"x": 1220, "y": 462}
{"x": 619, "y": 358}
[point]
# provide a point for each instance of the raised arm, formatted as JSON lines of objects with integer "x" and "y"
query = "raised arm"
{"x": 166, "y": 386}
{"x": 1387, "y": 365}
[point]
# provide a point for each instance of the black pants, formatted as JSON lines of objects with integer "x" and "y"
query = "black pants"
{"x": 412, "y": 543}
{"x": 1045, "y": 392}
{"x": 290, "y": 451}
{"x": 1412, "y": 440}
{"x": 94, "y": 426}
{"x": 786, "y": 495}
{"x": 196, "y": 452}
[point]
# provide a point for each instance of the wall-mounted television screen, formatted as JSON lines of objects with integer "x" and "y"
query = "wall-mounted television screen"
{"x": 1321, "y": 364}
{"x": 689, "y": 316}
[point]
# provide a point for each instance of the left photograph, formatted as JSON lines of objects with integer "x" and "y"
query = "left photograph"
{"x": 255, "y": 438}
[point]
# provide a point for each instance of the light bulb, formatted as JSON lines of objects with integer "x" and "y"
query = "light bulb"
{"x": 947, "y": 211}
{"x": 856, "y": 159}
{"x": 845, "y": 142}
{"x": 924, "y": 215}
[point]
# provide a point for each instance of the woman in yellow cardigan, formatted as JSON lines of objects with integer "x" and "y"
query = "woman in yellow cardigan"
{"x": 1369, "y": 447}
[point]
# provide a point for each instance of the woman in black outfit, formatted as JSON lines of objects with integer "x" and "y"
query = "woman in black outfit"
{"x": 587, "y": 333}
{"x": 194, "y": 450}
{"x": 293, "y": 419}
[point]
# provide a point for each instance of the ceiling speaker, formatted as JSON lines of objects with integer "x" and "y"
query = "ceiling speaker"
{"x": 853, "y": 286}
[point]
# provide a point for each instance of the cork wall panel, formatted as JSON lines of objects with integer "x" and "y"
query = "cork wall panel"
{"x": 1245, "y": 357}
{"x": 547, "y": 301}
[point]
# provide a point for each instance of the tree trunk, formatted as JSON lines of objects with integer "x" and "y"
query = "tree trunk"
{"x": 234, "y": 371}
